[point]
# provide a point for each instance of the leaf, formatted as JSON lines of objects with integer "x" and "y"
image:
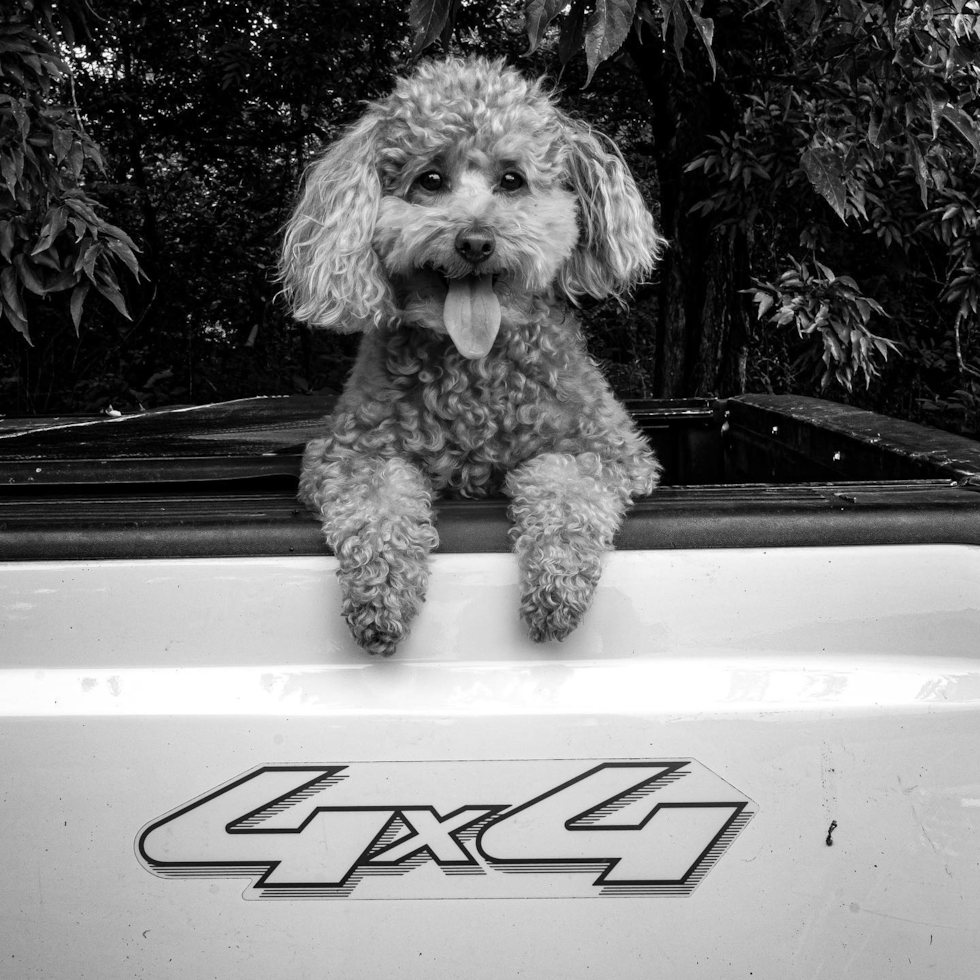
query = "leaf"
{"x": 48, "y": 259}
{"x": 28, "y": 276}
{"x": 76, "y": 159}
{"x": 61, "y": 142}
{"x": 874, "y": 125}
{"x": 120, "y": 234}
{"x": 6, "y": 239}
{"x": 673, "y": 10}
{"x": 11, "y": 294}
{"x": 84, "y": 211}
{"x": 964, "y": 123}
{"x": 572, "y": 31}
{"x": 706, "y": 28}
{"x": 538, "y": 14}
{"x": 446, "y": 35}
{"x": 78, "y": 295}
{"x": 797, "y": 13}
{"x": 8, "y": 171}
{"x": 825, "y": 167}
{"x": 110, "y": 289}
{"x": 919, "y": 169}
{"x": 66, "y": 28}
{"x": 93, "y": 153}
{"x": 22, "y": 117}
{"x": 858, "y": 197}
{"x": 19, "y": 323}
{"x": 54, "y": 225}
{"x": 427, "y": 18}
{"x": 765, "y": 302}
{"x": 86, "y": 260}
{"x": 605, "y": 31}
{"x": 936, "y": 103}
{"x": 828, "y": 273}
{"x": 126, "y": 254}
{"x": 13, "y": 69}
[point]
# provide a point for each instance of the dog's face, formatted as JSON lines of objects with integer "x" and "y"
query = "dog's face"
{"x": 458, "y": 200}
{"x": 468, "y": 233}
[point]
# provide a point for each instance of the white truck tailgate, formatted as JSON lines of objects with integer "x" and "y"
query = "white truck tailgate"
{"x": 746, "y": 763}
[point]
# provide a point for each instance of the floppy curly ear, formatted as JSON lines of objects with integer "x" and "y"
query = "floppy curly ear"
{"x": 618, "y": 241}
{"x": 330, "y": 273}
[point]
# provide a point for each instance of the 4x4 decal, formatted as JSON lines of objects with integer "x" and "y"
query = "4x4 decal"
{"x": 480, "y": 829}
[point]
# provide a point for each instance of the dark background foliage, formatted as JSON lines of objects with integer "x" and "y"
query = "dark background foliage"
{"x": 814, "y": 165}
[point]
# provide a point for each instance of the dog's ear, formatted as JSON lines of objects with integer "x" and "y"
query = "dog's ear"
{"x": 618, "y": 241}
{"x": 330, "y": 273}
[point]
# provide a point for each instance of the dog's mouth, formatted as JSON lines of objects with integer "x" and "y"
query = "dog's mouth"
{"x": 471, "y": 312}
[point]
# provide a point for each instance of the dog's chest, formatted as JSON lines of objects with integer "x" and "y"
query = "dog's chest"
{"x": 480, "y": 425}
{"x": 467, "y": 424}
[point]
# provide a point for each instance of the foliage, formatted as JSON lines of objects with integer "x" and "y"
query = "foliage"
{"x": 596, "y": 27}
{"x": 53, "y": 240}
{"x": 206, "y": 115}
{"x": 783, "y": 139}
{"x": 876, "y": 112}
{"x": 831, "y": 308}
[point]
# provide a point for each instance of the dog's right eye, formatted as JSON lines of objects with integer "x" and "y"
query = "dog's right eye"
{"x": 430, "y": 181}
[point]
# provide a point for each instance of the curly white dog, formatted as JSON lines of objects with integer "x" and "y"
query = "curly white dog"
{"x": 453, "y": 225}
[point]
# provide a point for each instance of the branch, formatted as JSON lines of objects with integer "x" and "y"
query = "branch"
{"x": 964, "y": 367}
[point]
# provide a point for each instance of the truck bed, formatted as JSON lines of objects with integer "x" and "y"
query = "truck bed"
{"x": 757, "y": 756}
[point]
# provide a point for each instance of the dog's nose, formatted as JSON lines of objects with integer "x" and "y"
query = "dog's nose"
{"x": 476, "y": 245}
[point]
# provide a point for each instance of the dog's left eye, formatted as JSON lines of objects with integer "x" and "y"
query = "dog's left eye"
{"x": 512, "y": 181}
{"x": 431, "y": 180}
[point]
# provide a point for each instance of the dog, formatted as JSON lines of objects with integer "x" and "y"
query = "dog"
{"x": 454, "y": 226}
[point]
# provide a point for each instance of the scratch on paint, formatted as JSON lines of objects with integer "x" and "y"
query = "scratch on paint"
{"x": 854, "y": 907}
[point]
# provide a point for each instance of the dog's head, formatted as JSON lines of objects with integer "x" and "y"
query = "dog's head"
{"x": 457, "y": 199}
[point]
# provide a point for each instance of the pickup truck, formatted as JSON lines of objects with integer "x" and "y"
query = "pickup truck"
{"x": 759, "y": 756}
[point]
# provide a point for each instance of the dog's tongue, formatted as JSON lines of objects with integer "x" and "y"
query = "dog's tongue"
{"x": 472, "y": 315}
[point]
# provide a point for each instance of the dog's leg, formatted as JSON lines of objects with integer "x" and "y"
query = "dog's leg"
{"x": 565, "y": 510}
{"x": 377, "y": 520}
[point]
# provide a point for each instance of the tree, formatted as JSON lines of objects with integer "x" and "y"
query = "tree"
{"x": 53, "y": 240}
{"x": 860, "y": 153}
{"x": 206, "y": 115}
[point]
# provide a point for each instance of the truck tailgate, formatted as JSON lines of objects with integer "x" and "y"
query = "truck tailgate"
{"x": 747, "y": 762}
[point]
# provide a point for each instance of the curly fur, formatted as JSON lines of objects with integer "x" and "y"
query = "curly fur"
{"x": 466, "y": 156}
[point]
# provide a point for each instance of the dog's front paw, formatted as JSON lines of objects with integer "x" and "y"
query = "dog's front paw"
{"x": 375, "y": 627}
{"x": 557, "y": 591}
{"x": 383, "y": 575}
